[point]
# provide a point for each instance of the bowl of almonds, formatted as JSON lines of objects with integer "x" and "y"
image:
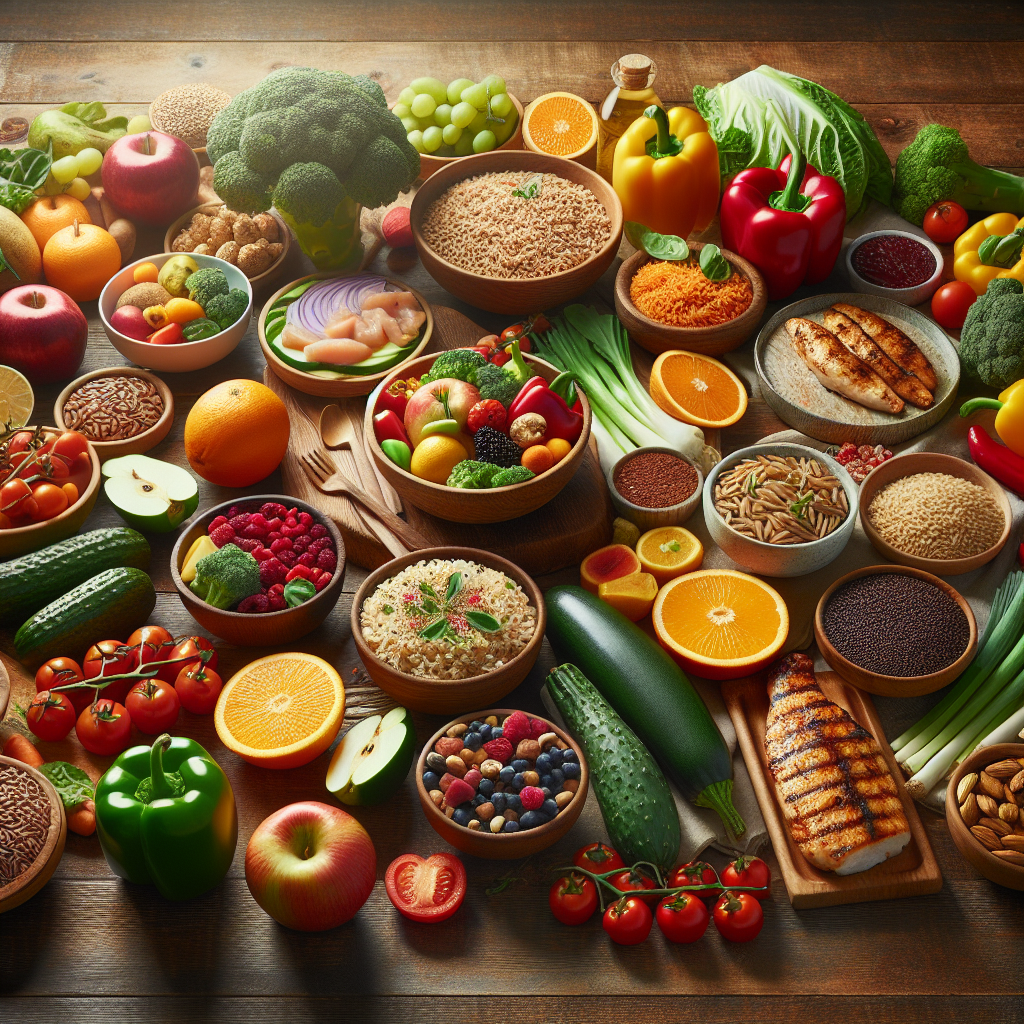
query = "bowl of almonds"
{"x": 985, "y": 812}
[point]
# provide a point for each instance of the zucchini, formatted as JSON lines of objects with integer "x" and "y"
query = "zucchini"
{"x": 36, "y": 579}
{"x": 649, "y": 690}
{"x": 637, "y": 805}
{"x": 111, "y": 604}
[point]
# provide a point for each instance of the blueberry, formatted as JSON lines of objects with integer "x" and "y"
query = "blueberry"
{"x": 517, "y": 782}
{"x": 507, "y": 774}
{"x": 514, "y": 803}
{"x": 473, "y": 741}
{"x": 549, "y": 807}
{"x": 531, "y": 819}
{"x": 485, "y": 786}
{"x": 542, "y": 765}
{"x": 546, "y": 791}
{"x": 497, "y": 732}
{"x": 571, "y": 770}
{"x": 521, "y": 764}
{"x": 557, "y": 778}
{"x": 510, "y": 826}
{"x": 545, "y": 782}
{"x": 485, "y": 732}
{"x": 431, "y": 780}
{"x": 499, "y": 800}
{"x": 479, "y": 799}
{"x": 462, "y": 816}
{"x": 555, "y": 757}
{"x": 475, "y": 724}
{"x": 569, "y": 755}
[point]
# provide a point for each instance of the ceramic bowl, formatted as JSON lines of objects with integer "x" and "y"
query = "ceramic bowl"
{"x": 875, "y": 682}
{"x": 510, "y": 845}
{"x": 651, "y": 518}
{"x": 932, "y": 462}
{"x": 265, "y": 629}
{"x": 185, "y": 356}
{"x": 140, "y": 443}
{"x": 522, "y": 295}
{"x": 909, "y": 296}
{"x": 657, "y": 337}
{"x": 430, "y": 164}
{"x": 992, "y": 867}
{"x": 779, "y": 560}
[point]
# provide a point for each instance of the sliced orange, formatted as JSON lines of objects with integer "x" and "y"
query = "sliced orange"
{"x": 668, "y": 552}
{"x": 632, "y": 595}
{"x": 719, "y": 623}
{"x": 281, "y": 711}
{"x": 560, "y": 124}
{"x": 697, "y": 389}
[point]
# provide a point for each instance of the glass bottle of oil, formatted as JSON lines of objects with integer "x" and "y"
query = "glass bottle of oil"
{"x": 633, "y": 93}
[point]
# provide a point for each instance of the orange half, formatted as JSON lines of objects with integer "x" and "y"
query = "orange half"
{"x": 560, "y": 124}
{"x": 697, "y": 389}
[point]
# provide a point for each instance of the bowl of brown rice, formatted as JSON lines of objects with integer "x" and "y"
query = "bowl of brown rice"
{"x": 516, "y": 231}
{"x": 448, "y": 628}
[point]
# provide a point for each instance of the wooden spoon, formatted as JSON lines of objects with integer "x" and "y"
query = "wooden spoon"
{"x": 336, "y": 428}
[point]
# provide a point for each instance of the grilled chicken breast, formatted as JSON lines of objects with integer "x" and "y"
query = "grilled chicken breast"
{"x": 852, "y": 335}
{"x": 839, "y": 369}
{"x": 893, "y": 342}
{"x": 834, "y": 786}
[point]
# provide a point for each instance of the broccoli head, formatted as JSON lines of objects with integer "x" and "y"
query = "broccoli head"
{"x": 226, "y": 577}
{"x": 205, "y": 284}
{"x": 937, "y": 166}
{"x": 226, "y": 309}
{"x": 475, "y": 475}
{"x": 992, "y": 339}
{"x": 457, "y": 363}
{"x": 512, "y": 475}
{"x": 496, "y": 382}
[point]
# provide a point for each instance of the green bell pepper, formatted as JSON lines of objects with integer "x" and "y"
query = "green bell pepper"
{"x": 165, "y": 816}
{"x": 200, "y": 329}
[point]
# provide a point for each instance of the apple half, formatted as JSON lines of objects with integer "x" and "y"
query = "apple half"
{"x": 372, "y": 759}
{"x": 150, "y": 495}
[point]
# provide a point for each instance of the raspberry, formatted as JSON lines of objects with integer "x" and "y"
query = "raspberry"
{"x": 322, "y": 580}
{"x": 472, "y": 777}
{"x": 537, "y": 728}
{"x": 292, "y": 531}
{"x": 459, "y": 792}
{"x": 300, "y": 544}
{"x": 318, "y": 545}
{"x": 307, "y": 559}
{"x": 255, "y": 530}
{"x": 326, "y": 560}
{"x": 290, "y": 520}
{"x": 256, "y": 603}
{"x": 277, "y": 601}
{"x": 318, "y": 531}
{"x": 273, "y": 510}
{"x": 515, "y": 728}
{"x": 262, "y": 554}
{"x": 272, "y": 536}
{"x": 283, "y": 544}
{"x": 219, "y": 521}
{"x": 305, "y": 519}
{"x": 240, "y": 522}
{"x": 531, "y": 797}
{"x": 249, "y": 544}
{"x": 500, "y": 749}
{"x": 233, "y": 511}
{"x": 288, "y": 557}
{"x": 275, "y": 524}
{"x": 222, "y": 535}
{"x": 272, "y": 571}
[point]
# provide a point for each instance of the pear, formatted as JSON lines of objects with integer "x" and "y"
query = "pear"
{"x": 373, "y": 759}
{"x": 150, "y": 495}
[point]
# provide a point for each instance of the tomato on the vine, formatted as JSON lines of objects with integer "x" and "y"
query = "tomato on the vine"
{"x": 111, "y": 658}
{"x": 683, "y": 917}
{"x": 628, "y": 921}
{"x": 187, "y": 651}
{"x": 63, "y": 672}
{"x": 50, "y": 500}
{"x": 945, "y": 221}
{"x": 198, "y": 688}
{"x": 513, "y": 332}
{"x": 749, "y": 873}
{"x": 696, "y": 872}
{"x": 632, "y": 880}
{"x": 951, "y": 303}
{"x": 16, "y": 500}
{"x": 70, "y": 445}
{"x": 573, "y": 899}
{"x": 153, "y": 706}
{"x": 50, "y": 716}
{"x": 598, "y": 858}
{"x": 151, "y": 643}
{"x": 104, "y": 728}
{"x": 738, "y": 916}
{"x": 427, "y": 889}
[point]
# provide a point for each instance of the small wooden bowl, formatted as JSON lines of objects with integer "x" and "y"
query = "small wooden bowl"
{"x": 344, "y": 387}
{"x": 267, "y": 629}
{"x": 5, "y": 691}
{"x": 447, "y": 696}
{"x": 430, "y": 164}
{"x": 503, "y": 846}
{"x": 995, "y": 870}
{"x": 22, "y": 539}
{"x": 26, "y": 885}
{"x": 466, "y": 505}
{"x": 893, "y": 686}
{"x": 932, "y": 462}
{"x": 500, "y": 295}
{"x": 652, "y": 518}
{"x": 140, "y": 443}
{"x": 709, "y": 341}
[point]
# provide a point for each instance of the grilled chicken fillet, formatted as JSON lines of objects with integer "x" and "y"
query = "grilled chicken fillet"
{"x": 893, "y": 342}
{"x": 837, "y": 794}
{"x": 839, "y": 369}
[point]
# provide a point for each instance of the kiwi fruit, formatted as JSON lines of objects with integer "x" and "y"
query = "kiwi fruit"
{"x": 20, "y": 252}
{"x": 149, "y": 293}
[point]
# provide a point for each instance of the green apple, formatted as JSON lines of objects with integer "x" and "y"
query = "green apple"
{"x": 373, "y": 759}
{"x": 150, "y": 494}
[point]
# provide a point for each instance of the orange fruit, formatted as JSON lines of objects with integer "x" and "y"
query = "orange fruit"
{"x": 46, "y": 216}
{"x": 720, "y": 623}
{"x": 697, "y": 389}
{"x": 236, "y": 433}
{"x": 80, "y": 260}
{"x": 560, "y": 124}
{"x": 668, "y": 552}
{"x": 631, "y": 595}
{"x": 281, "y": 711}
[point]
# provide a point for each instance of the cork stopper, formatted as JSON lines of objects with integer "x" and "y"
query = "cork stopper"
{"x": 634, "y": 71}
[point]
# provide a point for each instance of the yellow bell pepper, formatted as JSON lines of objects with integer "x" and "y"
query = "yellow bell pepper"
{"x": 967, "y": 264}
{"x": 1009, "y": 417}
{"x": 666, "y": 171}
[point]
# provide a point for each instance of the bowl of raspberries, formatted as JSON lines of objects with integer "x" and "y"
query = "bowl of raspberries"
{"x": 259, "y": 571}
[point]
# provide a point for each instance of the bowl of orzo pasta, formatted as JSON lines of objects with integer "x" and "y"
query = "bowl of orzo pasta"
{"x": 448, "y": 628}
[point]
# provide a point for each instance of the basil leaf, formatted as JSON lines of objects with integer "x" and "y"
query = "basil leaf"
{"x": 483, "y": 622}
{"x": 435, "y": 630}
{"x": 388, "y": 610}
{"x": 713, "y": 264}
{"x": 659, "y": 247}
{"x": 73, "y": 785}
{"x": 28, "y": 167}
{"x": 426, "y": 588}
{"x": 454, "y": 586}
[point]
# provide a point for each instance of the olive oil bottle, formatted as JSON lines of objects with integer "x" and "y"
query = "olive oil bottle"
{"x": 632, "y": 94}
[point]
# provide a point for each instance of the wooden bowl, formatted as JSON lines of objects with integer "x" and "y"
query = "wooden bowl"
{"x": 932, "y": 462}
{"x": 26, "y": 885}
{"x": 995, "y": 870}
{"x": 344, "y": 387}
{"x": 503, "y": 846}
{"x": 500, "y": 295}
{"x": 893, "y": 686}
{"x": 466, "y": 505}
{"x": 22, "y": 539}
{"x": 5, "y": 691}
{"x": 652, "y": 518}
{"x": 140, "y": 443}
{"x": 430, "y": 164}
{"x": 447, "y": 696}
{"x": 267, "y": 629}
{"x": 709, "y": 341}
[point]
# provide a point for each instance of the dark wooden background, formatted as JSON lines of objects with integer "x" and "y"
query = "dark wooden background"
{"x": 91, "y": 948}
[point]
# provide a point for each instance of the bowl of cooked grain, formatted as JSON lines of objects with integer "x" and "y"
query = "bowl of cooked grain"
{"x": 516, "y": 231}
{"x": 448, "y": 628}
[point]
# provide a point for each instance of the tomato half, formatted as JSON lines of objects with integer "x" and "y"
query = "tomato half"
{"x": 104, "y": 728}
{"x": 738, "y": 916}
{"x": 598, "y": 858}
{"x": 696, "y": 872}
{"x": 198, "y": 688}
{"x": 951, "y": 303}
{"x": 682, "y": 918}
{"x": 628, "y": 921}
{"x": 750, "y": 873}
{"x": 153, "y": 706}
{"x": 427, "y": 890}
{"x": 573, "y": 899}
{"x": 63, "y": 672}
{"x": 50, "y": 716}
{"x": 945, "y": 221}
{"x": 634, "y": 881}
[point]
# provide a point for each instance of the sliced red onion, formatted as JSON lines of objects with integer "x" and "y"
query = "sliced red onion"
{"x": 315, "y": 306}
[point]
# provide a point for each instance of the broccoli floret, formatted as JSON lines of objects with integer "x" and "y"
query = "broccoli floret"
{"x": 308, "y": 193}
{"x": 992, "y": 339}
{"x": 457, "y": 363}
{"x": 227, "y": 576}
{"x": 224, "y": 310}
{"x": 469, "y": 473}
{"x": 512, "y": 475}
{"x": 241, "y": 187}
{"x": 496, "y": 382}
{"x": 205, "y": 284}
{"x": 936, "y": 166}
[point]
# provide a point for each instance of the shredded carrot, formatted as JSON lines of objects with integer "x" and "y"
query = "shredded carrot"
{"x": 679, "y": 295}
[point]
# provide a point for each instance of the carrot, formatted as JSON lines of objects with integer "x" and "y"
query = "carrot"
{"x": 83, "y": 818}
{"x": 23, "y": 750}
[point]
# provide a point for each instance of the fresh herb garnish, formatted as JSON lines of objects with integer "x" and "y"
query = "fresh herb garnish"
{"x": 659, "y": 247}
{"x": 714, "y": 266}
{"x": 71, "y": 783}
{"x": 799, "y": 507}
{"x": 530, "y": 188}
{"x": 442, "y": 626}
{"x": 483, "y": 622}
{"x": 388, "y": 610}
{"x": 21, "y": 173}
{"x": 672, "y": 545}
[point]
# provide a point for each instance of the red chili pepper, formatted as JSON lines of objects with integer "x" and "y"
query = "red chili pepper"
{"x": 996, "y": 459}
{"x": 388, "y": 427}
{"x": 537, "y": 397}
{"x": 169, "y": 335}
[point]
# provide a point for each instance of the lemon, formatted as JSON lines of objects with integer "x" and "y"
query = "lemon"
{"x": 668, "y": 552}
{"x": 435, "y": 457}
{"x": 16, "y": 398}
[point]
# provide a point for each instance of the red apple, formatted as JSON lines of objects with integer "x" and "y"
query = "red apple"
{"x": 310, "y": 866}
{"x": 425, "y": 406}
{"x": 129, "y": 321}
{"x": 43, "y": 333}
{"x": 151, "y": 178}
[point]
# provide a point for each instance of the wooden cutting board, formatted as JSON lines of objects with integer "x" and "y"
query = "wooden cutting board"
{"x": 914, "y": 872}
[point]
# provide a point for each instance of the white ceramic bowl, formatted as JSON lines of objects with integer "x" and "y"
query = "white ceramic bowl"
{"x": 766, "y": 559}
{"x": 909, "y": 296}
{"x": 188, "y": 355}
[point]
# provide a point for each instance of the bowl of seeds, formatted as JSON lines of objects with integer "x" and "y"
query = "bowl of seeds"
{"x": 187, "y": 111}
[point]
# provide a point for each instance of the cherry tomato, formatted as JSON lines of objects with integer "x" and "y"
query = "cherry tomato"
{"x": 634, "y": 881}
{"x": 598, "y": 858}
{"x": 738, "y": 916}
{"x": 51, "y": 716}
{"x": 489, "y": 342}
{"x": 187, "y": 647}
{"x": 104, "y": 728}
{"x": 696, "y": 872}
{"x": 50, "y": 501}
{"x": 945, "y": 221}
{"x": 573, "y": 899}
{"x": 20, "y": 442}
{"x": 153, "y": 706}
{"x": 683, "y": 917}
{"x": 70, "y": 445}
{"x": 628, "y": 921}
{"x": 524, "y": 344}
{"x": 749, "y": 872}
{"x": 63, "y": 672}
{"x": 427, "y": 890}
{"x": 487, "y": 413}
{"x": 513, "y": 332}
{"x": 198, "y": 688}
{"x": 951, "y": 303}
{"x": 71, "y": 491}
{"x": 5, "y": 522}
{"x": 111, "y": 658}
{"x": 16, "y": 499}
{"x": 500, "y": 358}
{"x": 151, "y": 643}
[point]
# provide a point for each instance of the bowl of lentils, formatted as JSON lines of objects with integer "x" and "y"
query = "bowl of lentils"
{"x": 654, "y": 487}
{"x": 501, "y": 784}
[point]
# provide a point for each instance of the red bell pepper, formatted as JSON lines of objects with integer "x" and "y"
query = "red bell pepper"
{"x": 388, "y": 427}
{"x": 996, "y": 459}
{"x": 396, "y": 396}
{"x": 788, "y": 223}
{"x": 538, "y": 397}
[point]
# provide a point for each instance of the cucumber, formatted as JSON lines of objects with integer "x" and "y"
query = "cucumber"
{"x": 111, "y": 604}
{"x": 36, "y": 579}
{"x": 646, "y": 687}
{"x": 637, "y": 805}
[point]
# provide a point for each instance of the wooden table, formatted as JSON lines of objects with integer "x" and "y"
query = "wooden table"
{"x": 90, "y": 947}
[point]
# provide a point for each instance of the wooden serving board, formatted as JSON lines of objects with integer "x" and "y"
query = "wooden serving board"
{"x": 914, "y": 872}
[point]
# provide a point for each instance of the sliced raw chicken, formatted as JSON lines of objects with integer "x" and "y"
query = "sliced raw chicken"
{"x": 411, "y": 320}
{"x": 391, "y": 302}
{"x": 295, "y": 336}
{"x": 338, "y": 351}
{"x": 343, "y": 326}
{"x": 370, "y": 331}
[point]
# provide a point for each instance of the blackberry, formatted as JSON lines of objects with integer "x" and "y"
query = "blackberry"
{"x": 496, "y": 448}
